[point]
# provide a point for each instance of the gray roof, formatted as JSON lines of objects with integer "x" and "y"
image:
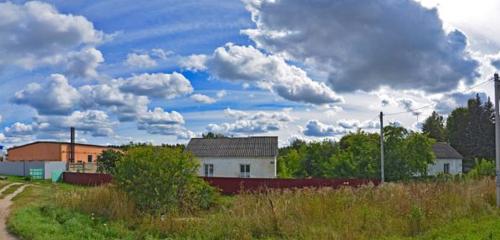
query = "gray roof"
{"x": 443, "y": 150}
{"x": 234, "y": 147}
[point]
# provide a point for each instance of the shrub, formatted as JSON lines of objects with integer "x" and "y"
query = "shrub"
{"x": 163, "y": 180}
{"x": 107, "y": 161}
{"x": 483, "y": 168}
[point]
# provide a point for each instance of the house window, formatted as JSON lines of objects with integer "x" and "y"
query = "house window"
{"x": 89, "y": 158}
{"x": 245, "y": 170}
{"x": 446, "y": 168}
{"x": 209, "y": 170}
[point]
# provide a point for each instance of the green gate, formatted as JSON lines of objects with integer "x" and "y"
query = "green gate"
{"x": 36, "y": 173}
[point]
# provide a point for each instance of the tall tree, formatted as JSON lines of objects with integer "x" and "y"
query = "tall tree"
{"x": 434, "y": 127}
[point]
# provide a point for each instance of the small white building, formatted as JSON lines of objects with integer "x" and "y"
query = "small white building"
{"x": 448, "y": 160}
{"x": 249, "y": 157}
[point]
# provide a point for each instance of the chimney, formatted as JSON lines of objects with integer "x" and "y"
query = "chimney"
{"x": 72, "y": 146}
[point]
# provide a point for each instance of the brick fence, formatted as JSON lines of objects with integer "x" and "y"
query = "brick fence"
{"x": 232, "y": 185}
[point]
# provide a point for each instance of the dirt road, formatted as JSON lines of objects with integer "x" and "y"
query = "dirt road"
{"x": 5, "y": 210}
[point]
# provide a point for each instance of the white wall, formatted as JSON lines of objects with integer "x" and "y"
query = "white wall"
{"x": 438, "y": 166}
{"x": 264, "y": 167}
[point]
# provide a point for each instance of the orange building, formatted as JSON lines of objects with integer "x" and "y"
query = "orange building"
{"x": 55, "y": 151}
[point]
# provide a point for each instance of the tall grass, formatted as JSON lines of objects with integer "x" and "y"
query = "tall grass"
{"x": 392, "y": 210}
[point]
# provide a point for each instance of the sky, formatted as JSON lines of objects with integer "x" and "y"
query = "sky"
{"x": 167, "y": 71}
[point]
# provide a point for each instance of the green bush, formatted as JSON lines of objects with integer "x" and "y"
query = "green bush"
{"x": 482, "y": 169}
{"x": 107, "y": 161}
{"x": 163, "y": 180}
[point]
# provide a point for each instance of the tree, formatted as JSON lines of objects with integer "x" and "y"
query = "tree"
{"x": 358, "y": 156}
{"x": 212, "y": 135}
{"x": 434, "y": 127}
{"x": 163, "y": 180}
{"x": 107, "y": 160}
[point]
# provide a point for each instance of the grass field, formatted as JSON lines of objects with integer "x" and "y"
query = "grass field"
{"x": 416, "y": 211}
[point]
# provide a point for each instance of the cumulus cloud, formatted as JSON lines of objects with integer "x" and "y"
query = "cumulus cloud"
{"x": 246, "y": 123}
{"x": 83, "y": 63}
{"x": 160, "y": 122}
{"x": 53, "y": 98}
{"x": 356, "y": 124}
{"x": 35, "y": 33}
{"x": 365, "y": 44}
{"x": 249, "y": 65}
{"x": 93, "y": 122}
{"x": 195, "y": 62}
{"x": 140, "y": 61}
{"x": 19, "y": 129}
{"x": 126, "y": 106}
{"x": 160, "y": 85}
{"x": 315, "y": 128}
{"x": 409, "y": 105}
{"x": 200, "y": 98}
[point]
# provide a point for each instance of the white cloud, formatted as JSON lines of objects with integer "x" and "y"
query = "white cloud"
{"x": 140, "y": 61}
{"x": 255, "y": 123}
{"x": 164, "y": 123}
{"x": 315, "y": 128}
{"x": 126, "y": 106}
{"x": 19, "y": 129}
{"x": 83, "y": 63}
{"x": 221, "y": 94}
{"x": 248, "y": 64}
{"x": 160, "y": 85}
{"x": 360, "y": 45}
{"x": 93, "y": 122}
{"x": 55, "y": 97}
{"x": 200, "y": 98}
{"x": 36, "y": 34}
{"x": 195, "y": 62}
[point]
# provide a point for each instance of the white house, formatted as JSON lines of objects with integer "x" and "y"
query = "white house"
{"x": 249, "y": 157}
{"x": 448, "y": 160}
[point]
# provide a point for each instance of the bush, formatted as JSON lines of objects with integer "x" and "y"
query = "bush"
{"x": 482, "y": 169}
{"x": 107, "y": 161}
{"x": 163, "y": 180}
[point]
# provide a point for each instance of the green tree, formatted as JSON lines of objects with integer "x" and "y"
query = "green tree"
{"x": 358, "y": 156}
{"x": 163, "y": 180}
{"x": 434, "y": 127}
{"x": 212, "y": 135}
{"x": 107, "y": 160}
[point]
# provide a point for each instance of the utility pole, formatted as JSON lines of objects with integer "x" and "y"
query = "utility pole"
{"x": 382, "y": 148}
{"x": 497, "y": 136}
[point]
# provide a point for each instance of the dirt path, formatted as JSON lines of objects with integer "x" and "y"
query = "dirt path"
{"x": 5, "y": 210}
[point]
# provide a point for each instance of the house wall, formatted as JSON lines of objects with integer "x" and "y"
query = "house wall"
{"x": 264, "y": 167}
{"x": 54, "y": 152}
{"x": 34, "y": 152}
{"x": 438, "y": 166}
{"x": 81, "y": 152}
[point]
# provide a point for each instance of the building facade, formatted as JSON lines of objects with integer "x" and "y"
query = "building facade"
{"x": 251, "y": 157}
{"x": 55, "y": 151}
{"x": 448, "y": 160}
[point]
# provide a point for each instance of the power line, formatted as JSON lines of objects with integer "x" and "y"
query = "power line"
{"x": 432, "y": 105}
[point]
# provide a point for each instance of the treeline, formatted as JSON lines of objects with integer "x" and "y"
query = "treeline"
{"x": 357, "y": 155}
{"x": 470, "y": 130}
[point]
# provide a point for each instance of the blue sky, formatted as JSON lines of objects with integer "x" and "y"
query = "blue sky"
{"x": 165, "y": 71}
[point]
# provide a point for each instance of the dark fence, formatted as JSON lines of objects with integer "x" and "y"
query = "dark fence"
{"x": 87, "y": 179}
{"x": 232, "y": 185}
{"x": 235, "y": 185}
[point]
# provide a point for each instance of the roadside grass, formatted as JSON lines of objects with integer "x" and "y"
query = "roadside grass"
{"x": 412, "y": 211}
{"x": 10, "y": 190}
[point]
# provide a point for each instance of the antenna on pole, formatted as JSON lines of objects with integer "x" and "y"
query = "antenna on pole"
{"x": 497, "y": 136}
{"x": 382, "y": 147}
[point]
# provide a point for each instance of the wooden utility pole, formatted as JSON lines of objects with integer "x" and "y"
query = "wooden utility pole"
{"x": 382, "y": 147}
{"x": 497, "y": 136}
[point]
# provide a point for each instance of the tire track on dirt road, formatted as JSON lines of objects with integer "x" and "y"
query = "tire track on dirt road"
{"x": 5, "y": 204}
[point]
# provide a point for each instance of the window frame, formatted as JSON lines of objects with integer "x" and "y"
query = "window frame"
{"x": 446, "y": 168}
{"x": 245, "y": 170}
{"x": 208, "y": 169}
